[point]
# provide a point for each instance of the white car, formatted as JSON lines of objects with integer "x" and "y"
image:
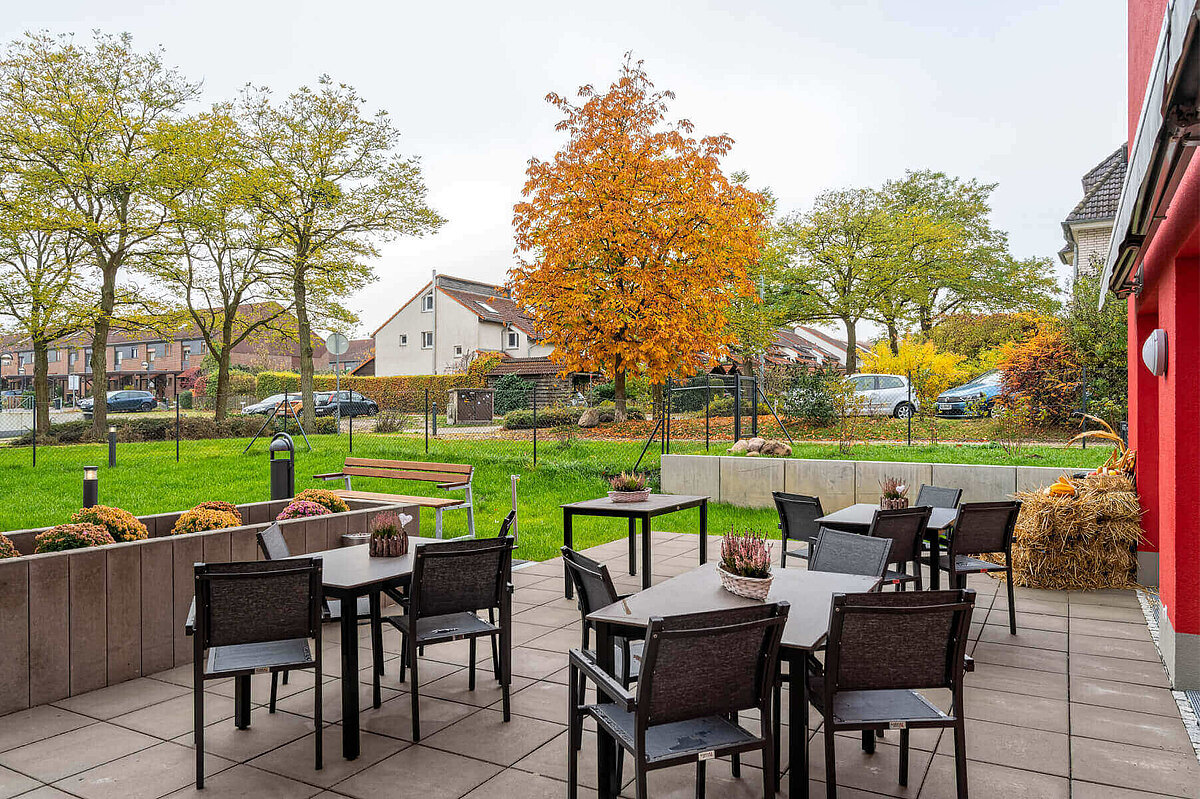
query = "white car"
{"x": 883, "y": 395}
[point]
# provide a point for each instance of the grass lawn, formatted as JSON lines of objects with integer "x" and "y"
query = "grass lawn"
{"x": 147, "y": 479}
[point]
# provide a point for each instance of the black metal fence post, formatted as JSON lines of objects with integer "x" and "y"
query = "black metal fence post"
{"x": 426, "y": 421}
{"x": 910, "y": 407}
{"x": 351, "y": 433}
{"x": 34, "y": 427}
{"x": 737, "y": 408}
{"x": 667, "y": 411}
{"x": 707, "y": 400}
{"x": 533, "y": 395}
{"x": 177, "y": 420}
{"x": 433, "y": 416}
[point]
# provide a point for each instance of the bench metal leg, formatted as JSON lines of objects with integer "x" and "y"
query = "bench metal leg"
{"x": 437, "y": 524}
{"x": 470, "y": 514}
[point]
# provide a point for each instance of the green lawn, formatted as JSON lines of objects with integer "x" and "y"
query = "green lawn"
{"x": 147, "y": 479}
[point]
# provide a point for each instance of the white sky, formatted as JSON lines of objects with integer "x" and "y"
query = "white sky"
{"x": 817, "y": 93}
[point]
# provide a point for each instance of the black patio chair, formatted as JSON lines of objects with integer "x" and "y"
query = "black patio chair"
{"x": 451, "y": 582}
{"x": 905, "y": 528}
{"x": 252, "y": 617}
{"x": 594, "y": 590}
{"x": 698, "y": 671}
{"x": 798, "y": 514}
{"x": 883, "y": 650}
{"x": 983, "y": 528}
{"x": 849, "y": 553}
{"x": 938, "y": 497}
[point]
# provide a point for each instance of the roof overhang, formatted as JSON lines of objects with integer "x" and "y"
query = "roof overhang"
{"x": 1168, "y": 131}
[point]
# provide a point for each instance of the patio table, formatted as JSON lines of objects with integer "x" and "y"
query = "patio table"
{"x": 656, "y": 505}
{"x": 810, "y": 595}
{"x": 857, "y": 519}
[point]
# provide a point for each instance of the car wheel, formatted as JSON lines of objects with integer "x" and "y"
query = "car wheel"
{"x": 372, "y": 410}
{"x": 147, "y": 406}
{"x": 903, "y": 411}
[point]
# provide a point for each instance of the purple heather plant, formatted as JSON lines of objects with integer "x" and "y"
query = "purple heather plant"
{"x": 302, "y": 509}
{"x": 746, "y": 554}
{"x": 893, "y": 488}
{"x": 628, "y": 482}
{"x": 387, "y": 525}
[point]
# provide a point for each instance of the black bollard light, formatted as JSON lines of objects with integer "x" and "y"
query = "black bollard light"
{"x": 91, "y": 486}
{"x": 112, "y": 447}
{"x": 283, "y": 470}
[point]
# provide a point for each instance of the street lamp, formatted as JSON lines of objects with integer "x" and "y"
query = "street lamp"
{"x": 146, "y": 366}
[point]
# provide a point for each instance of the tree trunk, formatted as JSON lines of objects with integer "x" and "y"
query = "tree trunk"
{"x": 851, "y": 347}
{"x": 304, "y": 333}
{"x": 108, "y": 300}
{"x": 41, "y": 385}
{"x": 893, "y": 337}
{"x": 926, "y": 317}
{"x": 221, "y": 402}
{"x": 619, "y": 413}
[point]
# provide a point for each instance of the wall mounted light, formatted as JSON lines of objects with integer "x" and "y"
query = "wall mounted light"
{"x": 1154, "y": 352}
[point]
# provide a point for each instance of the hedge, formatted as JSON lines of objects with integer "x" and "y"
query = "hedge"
{"x": 404, "y": 393}
{"x": 553, "y": 417}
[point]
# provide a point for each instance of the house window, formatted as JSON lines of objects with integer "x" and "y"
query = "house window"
{"x": 53, "y": 356}
{"x": 514, "y": 340}
{"x": 427, "y": 340}
{"x": 403, "y": 339}
{"x": 133, "y": 352}
{"x": 457, "y": 350}
{"x": 427, "y": 303}
{"x": 72, "y": 357}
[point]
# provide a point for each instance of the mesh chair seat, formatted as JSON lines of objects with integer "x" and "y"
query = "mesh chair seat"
{"x": 680, "y": 739}
{"x": 965, "y": 564}
{"x": 876, "y": 707}
{"x": 451, "y": 626}
{"x": 244, "y": 658}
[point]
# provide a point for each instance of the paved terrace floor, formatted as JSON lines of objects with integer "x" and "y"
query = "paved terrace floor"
{"x": 1075, "y": 705}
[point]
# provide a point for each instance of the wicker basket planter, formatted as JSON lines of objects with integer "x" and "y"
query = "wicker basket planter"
{"x": 388, "y": 546}
{"x": 893, "y": 503}
{"x": 749, "y": 587}
{"x": 629, "y": 496}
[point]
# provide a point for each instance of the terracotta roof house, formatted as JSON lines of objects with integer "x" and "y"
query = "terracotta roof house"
{"x": 827, "y": 347}
{"x": 1088, "y": 227}
{"x": 446, "y": 320}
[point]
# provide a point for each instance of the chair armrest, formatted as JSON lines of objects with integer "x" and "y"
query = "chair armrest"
{"x": 189, "y": 626}
{"x": 454, "y": 486}
{"x": 604, "y": 681}
{"x": 330, "y": 476}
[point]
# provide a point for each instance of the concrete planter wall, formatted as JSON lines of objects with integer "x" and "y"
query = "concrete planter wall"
{"x": 748, "y": 482}
{"x": 74, "y": 621}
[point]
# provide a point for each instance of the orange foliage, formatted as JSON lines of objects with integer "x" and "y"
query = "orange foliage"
{"x": 631, "y": 243}
{"x": 1042, "y": 372}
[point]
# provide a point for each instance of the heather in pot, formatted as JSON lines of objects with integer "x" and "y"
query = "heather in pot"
{"x": 745, "y": 566}
{"x": 627, "y": 487}
{"x": 388, "y": 536}
{"x": 893, "y": 493}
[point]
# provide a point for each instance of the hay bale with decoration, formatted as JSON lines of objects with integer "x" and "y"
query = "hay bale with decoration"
{"x": 1081, "y": 533}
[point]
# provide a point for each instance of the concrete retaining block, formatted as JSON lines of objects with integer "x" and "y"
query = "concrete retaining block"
{"x": 748, "y": 482}
{"x": 868, "y": 474}
{"x": 1031, "y": 478}
{"x": 979, "y": 483}
{"x": 831, "y": 481}
{"x": 698, "y": 475}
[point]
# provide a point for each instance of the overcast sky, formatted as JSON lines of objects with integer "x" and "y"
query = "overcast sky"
{"x": 817, "y": 94}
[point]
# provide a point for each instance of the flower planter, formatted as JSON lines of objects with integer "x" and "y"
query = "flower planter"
{"x": 629, "y": 496}
{"x": 388, "y": 547}
{"x": 749, "y": 587}
{"x": 893, "y": 503}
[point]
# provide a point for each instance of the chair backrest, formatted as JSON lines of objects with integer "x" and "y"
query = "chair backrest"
{"x": 798, "y": 514}
{"x": 409, "y": 470}
{"x": 460, "y": 576}
{"x": 905, "y": 527}
{"x": 272, "y": 544}
{"x": 506, "y": 525}
{"x": 707, "y": 664}
{"x": 257, "y": 601}
{"x": 983, "y": 527}
{"x": 903, "y": 640}
{"x": 939, "y": 497}
{"x": 593, "y": 584}
{"x": 849, "y": 553}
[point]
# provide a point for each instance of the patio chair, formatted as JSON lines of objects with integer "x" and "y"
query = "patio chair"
{"x": 797, "y": 521}
{"x": 451, "y": 583}
{"x": 698, "y": 671}
{"x": 849, "y": 553}
{"x": 905, "y": 528}
{"x": 983, "y": 528}
{"x": 938, "y": 497}
{"x": 274, "y": 546}
{"x": 253, "y": 617}
{"x": 594, "y": 590}
{"x": 883, "y": 649}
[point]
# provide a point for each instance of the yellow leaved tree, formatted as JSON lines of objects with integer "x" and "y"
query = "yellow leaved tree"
{"x": 930, "y": 372}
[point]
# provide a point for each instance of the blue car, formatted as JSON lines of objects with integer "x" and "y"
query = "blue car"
{"x": 971, "y": 400}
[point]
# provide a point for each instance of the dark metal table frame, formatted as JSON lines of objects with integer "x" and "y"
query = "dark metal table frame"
{"x": 657, "y": 505}
{"x": 857, "y": 519}
{"x": 794, "y": 653}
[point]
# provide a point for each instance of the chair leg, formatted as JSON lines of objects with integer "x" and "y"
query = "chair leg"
{"x": 403, "y": 656}
{"x": 1012, "y": 608}
{"x": 506, "y": 679}
{"x": 904, "y": 757}
{"x": 639, "y": 778}
{"x": 198, "y": 729}
{"x": 496, "y": 644}
{"x": 920, "y": 583}
{"x": 285, "y": 678}
{"x": 701, "y": 774}
{"x": 768, "y": 759}
{"x": 274, "y": 690}
{"x": 471, "y": 665}
{"x": 868, "y": 741}
{"x": 413, "y": 688}
{"x": 735, "y": 760}
{"x": 830, "y": 764}
{"x": 318, "y": 713}
{"x": 960, "y": 757}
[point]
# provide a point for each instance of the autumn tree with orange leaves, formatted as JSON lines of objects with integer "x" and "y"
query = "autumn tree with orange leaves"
{"x": 631, "y": 243}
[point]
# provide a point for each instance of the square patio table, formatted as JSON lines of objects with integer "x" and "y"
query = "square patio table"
{"x": 810, "y": 595}
{"x": 857, "y": 519}
{"x": 656, "y": 505}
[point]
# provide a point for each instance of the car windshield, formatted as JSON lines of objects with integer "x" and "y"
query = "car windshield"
{"x": 985, "y": 380}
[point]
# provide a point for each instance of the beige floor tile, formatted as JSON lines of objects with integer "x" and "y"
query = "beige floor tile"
{"x": 1015, "y": 747}
{"x": 63, "y": 755}
{"x": 988, "y": 780}
{"x": 147, "y": 774}
{"x": 424, "y": 772}
{"x": 175, "y": 717}
{"x": 487, "y": 736}
{"x": 1021, "y": 657}
{"x": 513, "y": 784}
{"x": 13, "y": 784}
{"x": 394, "y": 718}
{"x": 1113, "y": 648}
{"x": 878, "y": 772}
{"x": 1020, "y": 710}
{"x": 1139, "y": 672}
{"x": 1130, "y": 727}
{"x": 36, "y": 723}
{"x": 541, "y": 700}
{"x": 246, "y": 782}
{"x": 266, "y": 732}
{"x": 296, "y": 760}
{"x": 1134, "y": 767}
{"x": 1016, "y": 680}
{"x": 121, "y": 698}
{"x": 1124, "y": 696}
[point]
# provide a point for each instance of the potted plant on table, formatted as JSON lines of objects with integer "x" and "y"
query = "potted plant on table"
{"x": 894, "y": 494}
{"x": 389, "y": 539}
{"x": 628, "y": 487}
{"x": 745, "y": 567}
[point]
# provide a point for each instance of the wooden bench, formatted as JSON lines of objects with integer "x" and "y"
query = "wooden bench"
{"x": 449, "y": 476}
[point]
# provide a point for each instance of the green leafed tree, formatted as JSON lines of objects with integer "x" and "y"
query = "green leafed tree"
{"x": 1100, "y": 337}
{"x": 97, "y": 128}
{"x": 330, "y": 186}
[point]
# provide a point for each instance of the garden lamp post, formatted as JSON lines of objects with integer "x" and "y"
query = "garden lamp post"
{"x": 112, "y": 447}
{"x": 91, "y": 486}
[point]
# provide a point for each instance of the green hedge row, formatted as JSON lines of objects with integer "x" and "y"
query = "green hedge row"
{"x": 554, "y": 417}
{"x": 191, "y": 428}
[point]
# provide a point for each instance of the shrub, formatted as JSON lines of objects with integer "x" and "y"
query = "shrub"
{"x": 404, "y": 393}
{"x": 71, "y": 536}
{"x": 809, "y": 397}
{"x": 302, "y": 509}
{"x": 7, "y": 548}
{"x": 1045, "y": 370}
{"x": 241, "y": 382}
{"x": 513, "y": 392}
{"x": 162, "y": 428}
{"x": 200, "y": 519}
{"x": 224, "y": 507}
{"x": 185, "y": 400}
{"x": 723, "y": 406}
{"x": 120, "y": 524}
{"x": 546, "y": 417}
{"x": 321, "y": 496}
{"x": 394, "y": 422}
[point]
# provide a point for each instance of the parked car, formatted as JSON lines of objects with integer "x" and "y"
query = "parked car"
{"x": 325, "y": 403}
{"x": 883, "y": 395}
{"x": 125, "y": 400}
{"x": 972, "y": 399}
{"x": 265, "y": 406}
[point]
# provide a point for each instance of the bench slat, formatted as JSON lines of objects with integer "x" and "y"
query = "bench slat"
{"x": 425, "y": 502}
{"x": 382, "y": 463}
{"x": 397, "y": 474}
